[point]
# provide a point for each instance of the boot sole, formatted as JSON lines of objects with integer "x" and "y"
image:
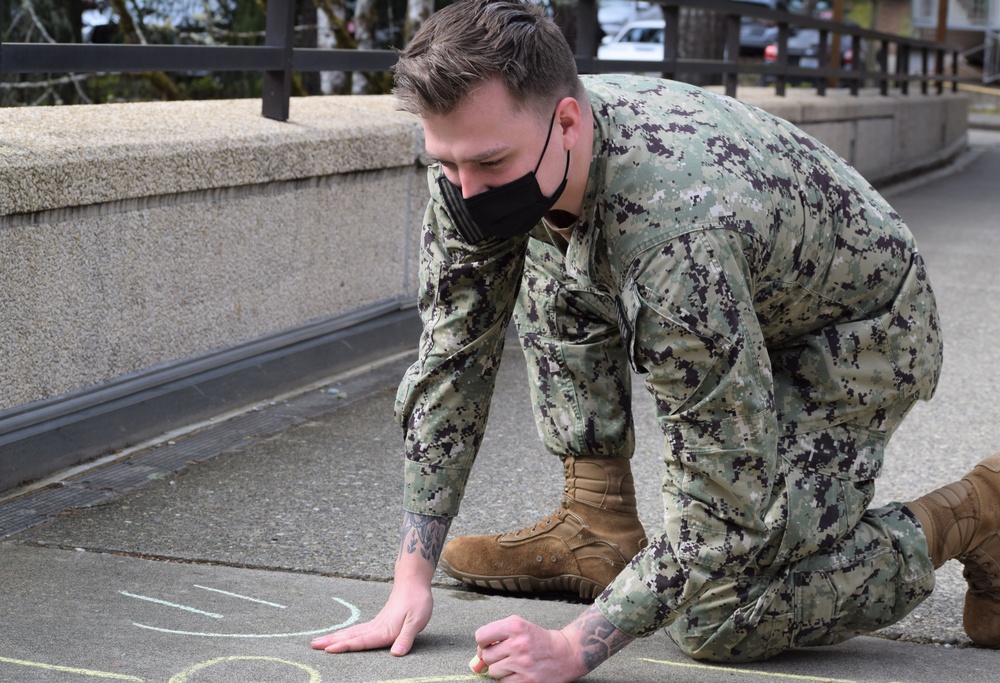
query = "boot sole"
{"x": 565, "y": 583}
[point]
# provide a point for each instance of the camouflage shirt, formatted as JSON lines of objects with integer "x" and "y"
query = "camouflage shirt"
{"x": 731, "y": 242}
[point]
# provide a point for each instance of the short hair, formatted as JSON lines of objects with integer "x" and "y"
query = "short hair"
{"x": 473, "y": 41}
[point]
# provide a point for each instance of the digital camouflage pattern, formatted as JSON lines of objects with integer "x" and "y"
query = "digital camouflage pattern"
{"x": 784, "y": 322}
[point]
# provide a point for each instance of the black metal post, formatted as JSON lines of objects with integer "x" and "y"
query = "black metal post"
{"x": 939, "y": 68}
{"x": 278, "y": 82}
{"x": 732, "y": 55}
{"x": 586, "y": 29}
{"x": 923, "y": 70}
{"x": 855, "y": 82}
{"x": 781, "y": 80}
{"x": 823, "y": 62}
{"x": 1, "y": 36}
{"x": 903, "y": 67}
{"x": 671, "y": 34}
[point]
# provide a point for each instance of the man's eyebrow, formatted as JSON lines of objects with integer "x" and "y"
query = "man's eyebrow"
{"x": 481, "y": 156}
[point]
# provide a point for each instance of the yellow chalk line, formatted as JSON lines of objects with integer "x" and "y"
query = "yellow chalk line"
{"x": 749, "y": 671}
{"x": 182, "y": 677}
{"x": 434, "y": 679}
{"x": 71, "y": 670}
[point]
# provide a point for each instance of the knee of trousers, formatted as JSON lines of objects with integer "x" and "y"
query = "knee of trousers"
{"x": 872, "y": 578}
{"x": 741, "y": 620}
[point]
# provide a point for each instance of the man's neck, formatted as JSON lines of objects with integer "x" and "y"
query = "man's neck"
{"x": 561, "y": 220}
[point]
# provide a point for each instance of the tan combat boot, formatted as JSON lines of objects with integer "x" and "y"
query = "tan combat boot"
{"x": 578, "y": 549}
{"x": 962, "y": 520}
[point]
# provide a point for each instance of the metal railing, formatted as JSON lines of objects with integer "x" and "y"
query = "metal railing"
{"x": 278, "y": 59}
{"x": 730, "y": 66}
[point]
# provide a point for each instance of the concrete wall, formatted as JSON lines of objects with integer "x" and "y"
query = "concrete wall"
{"x": 885, "y": 138}
{"x": 134, "y": 235}
{"x": 146, "y": 245}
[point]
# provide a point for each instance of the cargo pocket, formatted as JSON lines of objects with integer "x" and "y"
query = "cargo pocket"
{"x": 836, "y": 604}
{"x": 829, "y": 484}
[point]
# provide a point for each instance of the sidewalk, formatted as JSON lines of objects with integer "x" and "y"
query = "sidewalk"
{"x": 984, "y": 121}
{"x": 219, "y": 554}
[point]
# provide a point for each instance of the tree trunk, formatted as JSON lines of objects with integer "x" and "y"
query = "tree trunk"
{"x": 331, "y": 32}
{"x": 417, "y": 12}
{"x": 702, "y": 35}
{"x": 133, "y": 35}
{"x": 365, "y": 22}
{"x": 310, "y": 80}
{"x": 564, "y": 14}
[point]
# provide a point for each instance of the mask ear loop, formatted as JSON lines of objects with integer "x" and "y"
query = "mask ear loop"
{"x": 548, "y": 136}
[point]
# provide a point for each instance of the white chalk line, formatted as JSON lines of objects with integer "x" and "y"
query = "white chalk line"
{"x": 242, "y": 597}
{"x": 170, "y": 604}
{"x": 355, "y": 616}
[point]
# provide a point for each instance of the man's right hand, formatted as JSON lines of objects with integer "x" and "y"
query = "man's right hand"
{"x": 405, "y": 614}
{"x": 408, "y": 609}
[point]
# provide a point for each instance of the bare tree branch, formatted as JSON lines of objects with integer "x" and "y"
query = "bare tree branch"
{"x": 159, "y": 80}
{"x": 51, "y": 82}
{"x": 30, "y": 9}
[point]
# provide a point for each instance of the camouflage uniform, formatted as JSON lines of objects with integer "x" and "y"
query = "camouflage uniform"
{"x": 783, "y": 319}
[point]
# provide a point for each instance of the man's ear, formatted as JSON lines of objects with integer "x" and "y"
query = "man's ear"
{"x": 569, "y": 120}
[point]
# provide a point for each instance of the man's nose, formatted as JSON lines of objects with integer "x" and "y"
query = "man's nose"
{"x": 471, "y": 186}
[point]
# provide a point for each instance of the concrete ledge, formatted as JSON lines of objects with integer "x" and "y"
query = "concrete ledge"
{"x": 176, "y": 229}
{"x": 55, "y": 157}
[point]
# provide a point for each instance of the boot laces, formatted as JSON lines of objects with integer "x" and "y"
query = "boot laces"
{"x": 546, "y": 522}
{"x": 982, "y": 573}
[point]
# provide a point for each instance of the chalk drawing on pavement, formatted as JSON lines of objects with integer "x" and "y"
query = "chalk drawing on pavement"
{"x": 184, "y": 676}
{"x": 767, "y": 674}
{"x": 315, "y": 677}
{"x": 354, "y": 616}
{"x": 70, "y": 670}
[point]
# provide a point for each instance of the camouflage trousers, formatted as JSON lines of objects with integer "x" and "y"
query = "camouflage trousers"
{"x": 870, "y": 572}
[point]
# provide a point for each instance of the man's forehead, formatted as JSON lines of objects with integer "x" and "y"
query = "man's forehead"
{"x": 470, "y": 136}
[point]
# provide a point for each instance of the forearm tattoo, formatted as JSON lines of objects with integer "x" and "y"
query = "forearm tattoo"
{"x": 599, "y": 639}
{"x": 425, "y": 535}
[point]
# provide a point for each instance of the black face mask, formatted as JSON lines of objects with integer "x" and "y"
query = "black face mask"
{"x": 506, "y": 211}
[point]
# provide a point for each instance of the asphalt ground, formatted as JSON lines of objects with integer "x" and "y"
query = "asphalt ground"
{"x": 219, "y": 552}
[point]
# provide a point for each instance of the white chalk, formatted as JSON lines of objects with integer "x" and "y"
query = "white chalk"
{"x": 478, "y": 666}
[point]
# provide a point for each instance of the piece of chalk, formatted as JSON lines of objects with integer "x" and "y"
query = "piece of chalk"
{"x": 478, "y": 666}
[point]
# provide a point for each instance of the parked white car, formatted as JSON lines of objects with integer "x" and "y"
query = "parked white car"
{"x": 640, "y": 41}
{"x": 612, "y": 15}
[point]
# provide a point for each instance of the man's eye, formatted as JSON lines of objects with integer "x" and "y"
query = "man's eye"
{"x": 491, "y": 164}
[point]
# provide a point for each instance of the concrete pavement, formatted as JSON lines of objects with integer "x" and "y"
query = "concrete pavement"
{"x": 84, "y": 616}
{"x": 217, "y": 554}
